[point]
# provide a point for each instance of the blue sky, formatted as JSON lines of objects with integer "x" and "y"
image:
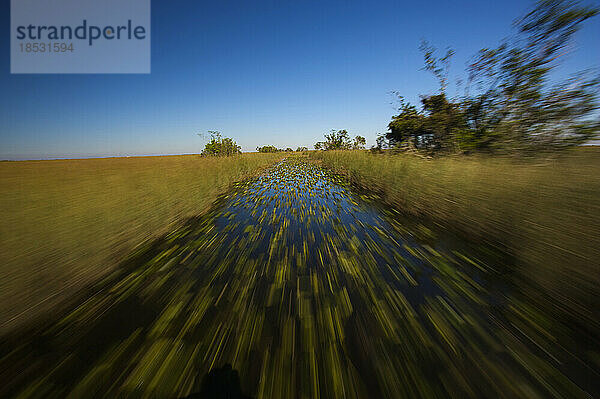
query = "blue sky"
{"x": 277, "y": 72}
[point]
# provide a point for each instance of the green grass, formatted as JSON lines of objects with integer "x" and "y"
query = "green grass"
{"x": 546, "y": 212}
{"x": 308, "y": 291}
{"x": 66, "y": 223}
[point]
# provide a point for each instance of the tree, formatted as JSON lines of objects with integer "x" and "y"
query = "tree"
{"x": 439, "y": 67}
{"x": 220, "y": 146}
{"x": 406, "y": 128}
{"x": 382, "y": 143}
{"x": 340, "y": 140}
{"x": 359, "y": 143}
{"x": 267, "y": 148}
{"x": 513, "y": 108}
{"x": 301, "y": 149}
{"x": 443, "y": 123}
{"x": 517, "y": 109}
{"x": 336, "y": 140}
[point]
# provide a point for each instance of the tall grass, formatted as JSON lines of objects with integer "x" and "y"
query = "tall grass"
{"x": 546, "y": 212}
{"x": 66, "y": 223}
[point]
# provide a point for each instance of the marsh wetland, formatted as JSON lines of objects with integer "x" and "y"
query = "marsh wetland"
{"x": 309, "y": 289}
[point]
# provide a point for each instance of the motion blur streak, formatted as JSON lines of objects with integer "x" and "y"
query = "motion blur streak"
{"x": 309, "y": 291}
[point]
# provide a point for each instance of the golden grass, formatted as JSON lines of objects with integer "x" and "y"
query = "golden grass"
{"x": 66, "y": 223}
{"x": 547, "y": 212}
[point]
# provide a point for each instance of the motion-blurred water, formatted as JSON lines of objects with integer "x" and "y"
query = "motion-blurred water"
{"x": 308, "y": 290}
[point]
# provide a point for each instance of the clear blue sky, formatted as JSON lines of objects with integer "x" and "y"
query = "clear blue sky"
{"x": 277, "y": 72}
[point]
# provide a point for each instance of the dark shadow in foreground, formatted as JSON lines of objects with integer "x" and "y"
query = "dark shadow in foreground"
{"x": 221, "y": 383}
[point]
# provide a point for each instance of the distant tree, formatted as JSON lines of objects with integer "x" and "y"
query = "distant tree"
{"x": 337, "y": 140}
{"x": 267, "y": 148}
{"x": 220, "y": 146}
{"x": 319, "y": 145}
{"x": 301, "y": 149}
{"x": 289, "y": 150}
{"x": 359, "y": 143}
{"x": 382, "y": 143}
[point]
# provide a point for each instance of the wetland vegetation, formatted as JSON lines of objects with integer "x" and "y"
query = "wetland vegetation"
{"x": 457, "y": 258}
{"x": 308, "y": 288}
{"x": 66, "y": 223}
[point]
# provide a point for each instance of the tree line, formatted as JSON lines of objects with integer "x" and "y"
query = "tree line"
{"x": 511, "y": 103}
{"x": 340, "y": 140}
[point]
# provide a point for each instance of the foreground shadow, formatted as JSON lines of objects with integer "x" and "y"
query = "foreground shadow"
{"x": 221, "y": 383}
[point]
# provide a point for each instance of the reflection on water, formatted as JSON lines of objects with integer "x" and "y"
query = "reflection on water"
{"x": 308, "y": 291}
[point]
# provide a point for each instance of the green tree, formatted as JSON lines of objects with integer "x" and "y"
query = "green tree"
{"x": 438, "y": 127}
{"x": 517, "y": 108}
{"x": 513, "y": 108}
{"x": 301, "y": 149}
{"x": 443, "y": 123}
{"x": 359, "y": 143}
{"x": 267, "y": 148}
{"x": 382, "y": 143}
{"x": 439, "y": 67}
{"x": 220, "y": 146}
{"x": 408, "y": 127}
{"x": 337, "y": 140}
